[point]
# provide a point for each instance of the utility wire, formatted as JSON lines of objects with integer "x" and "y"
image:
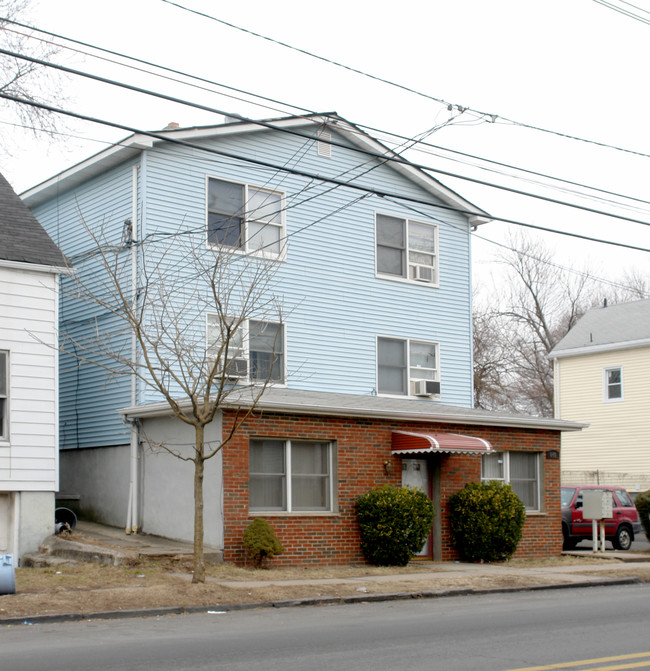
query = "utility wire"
{"x": 303, "y": 173}
{"x": 624, "y": 12}
{"x": 272, "y": 126}
{"x": 486, "y": 115}
{"x": 251, "y": 94}
{"x": 158, "y": 66}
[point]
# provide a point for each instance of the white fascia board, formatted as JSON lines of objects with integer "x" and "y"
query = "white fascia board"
{"x": 162, "y": 409}
{"x": 34, "y": 267}
{"x": 80, "y": 172}
{"x": 364, "y": 141}
{"x": 599, "y": 349}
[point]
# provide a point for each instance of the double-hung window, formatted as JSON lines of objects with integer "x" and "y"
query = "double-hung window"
{"x": 245, "y": 217}
{"x": 4, "y": 395}
{"x": 401, "y": 363}
{"x": 521, "y": 470}
{"x": 290, "y": 475}
{"x": 407, "y": 249}
{"x": 613, "y": 384}
{"x": 255, "y": 348}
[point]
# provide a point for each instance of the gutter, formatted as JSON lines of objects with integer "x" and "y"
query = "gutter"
{"x": 458, "y": 417}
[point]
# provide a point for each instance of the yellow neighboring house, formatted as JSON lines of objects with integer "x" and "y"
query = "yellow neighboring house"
{"x": 602, "y": 377}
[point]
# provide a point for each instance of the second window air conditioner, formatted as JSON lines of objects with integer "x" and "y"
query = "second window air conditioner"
{"x": 423, "y": 273}
{"x": 427, "y": 387}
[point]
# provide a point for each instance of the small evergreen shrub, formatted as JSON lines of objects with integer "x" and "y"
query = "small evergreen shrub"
{"x": 394, "y": 523}
{"x": 261, "y": 542}
{"x": 486, "y": 519}
{"x": 642, "y": 503}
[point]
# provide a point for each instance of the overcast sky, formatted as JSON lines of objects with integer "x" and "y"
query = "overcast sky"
{"x": 575, "y": 67}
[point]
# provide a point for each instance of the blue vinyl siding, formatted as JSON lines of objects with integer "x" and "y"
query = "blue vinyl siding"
{"x": 335, "y": 305}
{"x": 89, "y": 397}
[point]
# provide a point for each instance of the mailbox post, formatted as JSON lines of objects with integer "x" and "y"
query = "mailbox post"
{"x": 597, "y": 505}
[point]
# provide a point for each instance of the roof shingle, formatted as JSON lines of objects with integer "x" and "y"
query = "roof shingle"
{"x": 22, "y": 238}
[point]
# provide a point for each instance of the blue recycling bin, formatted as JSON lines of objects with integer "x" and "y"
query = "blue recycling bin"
{"x": 7, "y": 575}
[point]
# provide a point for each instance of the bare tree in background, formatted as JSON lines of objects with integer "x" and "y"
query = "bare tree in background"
{"x": 23, "y": 79}
{"x": 156, "y": 332}
{"x": 515, "y": 329}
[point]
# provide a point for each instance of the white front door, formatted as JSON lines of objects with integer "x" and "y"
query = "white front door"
{"x": 415, "y": 473}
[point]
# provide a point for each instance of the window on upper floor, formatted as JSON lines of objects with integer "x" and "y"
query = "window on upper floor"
{"x": 245, "y": 217}
{"x": 407, "y": 249}
{"x": 407, "y": 367}
{"x": 4, "y": 395}
{"x": 290, "y": 475}
{"x": 255, "y": 350}
{"x": 521, "y": 470}
{"x": 613, "y": 384}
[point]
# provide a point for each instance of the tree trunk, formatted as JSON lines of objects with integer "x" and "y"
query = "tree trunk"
{"x": 199, "y": 467}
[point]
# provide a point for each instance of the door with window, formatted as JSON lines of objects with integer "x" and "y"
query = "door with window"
{"x": 415, "y": 473}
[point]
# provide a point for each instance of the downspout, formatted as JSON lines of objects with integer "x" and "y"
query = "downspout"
{"x": 132, "y": 521}
{"x": 16, "y": 530}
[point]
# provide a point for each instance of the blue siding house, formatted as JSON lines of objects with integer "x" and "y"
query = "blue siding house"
{"x": 371, "y": 264}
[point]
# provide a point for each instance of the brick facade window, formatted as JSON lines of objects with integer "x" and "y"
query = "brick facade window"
{"x": 290, "y": 475}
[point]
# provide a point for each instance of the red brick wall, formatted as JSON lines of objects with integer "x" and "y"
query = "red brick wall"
{"x": 363, "y": 447}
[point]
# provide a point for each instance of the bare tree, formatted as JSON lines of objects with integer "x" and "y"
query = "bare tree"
{"x": 539, "y": 304}
{"x": 516, "y": 329}
{"x": 24, "y": 79}
{"x": 492, "y": 380}
{"x": 155, "y": 331}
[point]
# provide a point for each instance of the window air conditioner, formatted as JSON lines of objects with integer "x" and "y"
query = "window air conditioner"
{"x": 423, "y": 273}
{"x": 237, "y": 368}
{"x": 427, "y": 387}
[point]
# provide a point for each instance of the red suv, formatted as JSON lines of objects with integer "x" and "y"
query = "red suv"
{"x": 620, "y": 530}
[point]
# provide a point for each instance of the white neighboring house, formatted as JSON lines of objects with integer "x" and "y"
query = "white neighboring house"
{"x": 602, "y": 377}
{"x": 30, "y": 264}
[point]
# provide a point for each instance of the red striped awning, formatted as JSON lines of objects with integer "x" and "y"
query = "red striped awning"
{"x": 407, "y": 442}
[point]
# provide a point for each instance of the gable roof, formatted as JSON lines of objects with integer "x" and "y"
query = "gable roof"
{"x": 136, "y": 142}
{"x": 620, "y": 326}
{"x": 22, "y": 238}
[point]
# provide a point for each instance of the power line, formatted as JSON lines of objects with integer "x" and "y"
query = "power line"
{"x": 623, "y": 11}
{"x": 486, "y": 115}
{"x": 313, "y": 176}
{"x": 160, "y": 67}
{"x": 249, "y": 93}
{"x": 272, "y": 126}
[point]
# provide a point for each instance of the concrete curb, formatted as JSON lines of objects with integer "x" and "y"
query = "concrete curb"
{"x": 308, "y": 601}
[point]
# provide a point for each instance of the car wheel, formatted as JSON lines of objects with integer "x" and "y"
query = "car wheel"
{"x": 623, "y": 539}
{"x": 568, "y": 543}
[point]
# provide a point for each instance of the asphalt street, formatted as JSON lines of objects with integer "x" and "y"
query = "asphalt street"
{"x": 497, "y": 632}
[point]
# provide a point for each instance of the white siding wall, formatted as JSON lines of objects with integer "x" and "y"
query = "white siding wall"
{"x": 617, "y": 442}
{"x": 28, "y": 312}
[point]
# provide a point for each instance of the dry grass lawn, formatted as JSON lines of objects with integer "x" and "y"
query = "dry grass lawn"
{"x": 87, "y": 588}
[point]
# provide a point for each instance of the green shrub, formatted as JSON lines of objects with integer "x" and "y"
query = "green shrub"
{"x": 394, "y": 524}
{"x": 642, "y": 503}
{"x": 487, "y": 520}
{"x": 261, "y": 542}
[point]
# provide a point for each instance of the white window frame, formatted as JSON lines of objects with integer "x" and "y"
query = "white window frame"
{"x": 607, "y": 386}
{"x": 247, "y": 220}
{"x": 4, "y": 396}
{"x": 409, "y": 273}
{"x": 287, "y": 479}
{"x": 410, "y": 379}
{"x": 505, "y": 477}
{"x": 212, "y": 320}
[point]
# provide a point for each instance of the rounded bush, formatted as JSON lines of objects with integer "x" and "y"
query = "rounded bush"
{"x": 394, "y": 523}
{"x": 261, "y": 542}
{"x": 487, "y": 519}
{"x": 642, "y": 503}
